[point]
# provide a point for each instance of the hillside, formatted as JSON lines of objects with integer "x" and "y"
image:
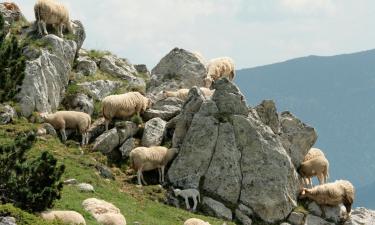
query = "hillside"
{"x": 335, "y": 95}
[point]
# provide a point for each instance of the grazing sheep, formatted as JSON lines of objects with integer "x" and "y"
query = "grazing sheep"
{"x": 183, "y": 93}
{"x": 218, "y": 68}
{"x": 70, "y": 119}
{"x": 150, "y": 158}
{"x": 332, "y": 194}
{"x": 124, "y": 106}
{"x": 111, "y": 219}
{"x": 317, "y": 166}
{"x": 312, "y": 153}
{"x": 54, "y": 13}
{"x": 195, "y": 221}
{"x": 188, "y": 193}
{"x": 67, "y": 217}
{"x": 104, "y": 212}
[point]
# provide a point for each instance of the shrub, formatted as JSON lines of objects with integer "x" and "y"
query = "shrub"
{"x": 33, "y": 184}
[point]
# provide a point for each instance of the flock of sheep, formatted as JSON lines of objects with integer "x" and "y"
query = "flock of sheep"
{"x": 123, "y": 106}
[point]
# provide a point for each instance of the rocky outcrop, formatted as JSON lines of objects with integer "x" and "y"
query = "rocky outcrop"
{"x": 8, "y": 220}
{"x": 178, "y": 69}
{"x": 86, "y": 66}
{"x": 100, "y": 88}
{"x": 216, "y": 209}
{"x": 268, "y": 114}
{"x": 361, "y": 216}
{"x": 241, "y": 160}
{"x": 154, "y": 132}
{"x": 7, "y": 113}
{"x": 79, "y": 102}
{"x": 165, "y": 109}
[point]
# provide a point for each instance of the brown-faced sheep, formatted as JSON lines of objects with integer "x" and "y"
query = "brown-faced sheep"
{"x": 331, "y": 194}
{"x": 317, "y": 166}
{"x": 124, "y": 106}
{"x": 54, "y": 13}
{"x": 67, "y": 217}
{"x": 218, "y": 68}
{"x": 195, "y": 221}
{"x": 183, "y": 93}
{"x": 62, "y": 120}
{"x": 150, "y": 158}
{"x": 312, "y": 153}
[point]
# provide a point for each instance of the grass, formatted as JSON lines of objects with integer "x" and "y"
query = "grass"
{"x": 96, "y": 54}
{"x": 132, "y": 201}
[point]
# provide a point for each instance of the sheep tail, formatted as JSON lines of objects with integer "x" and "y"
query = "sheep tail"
{"x": 348, "y": 201}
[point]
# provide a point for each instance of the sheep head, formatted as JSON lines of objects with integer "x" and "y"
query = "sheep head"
{"x": 208, "y": 81}
{"x": 177, "y": 192}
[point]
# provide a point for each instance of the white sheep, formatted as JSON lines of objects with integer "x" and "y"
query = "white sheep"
{"x": 62, "y": 120}
{"x": 124, "y": 106}
{"x": 183, "y": 93}
{"x": 331, "y": 194}
{"x": 150, "y": 158}
{"x": 312, "y": 153}
{"x": 218, "y": 68}
{"x": 317, "y": 166}
{"x": 54, "y": 13}
{"x": 104, "y": 212}
{"x": 195, "y": 221}
{"x": 67, "y": 217}
{"x": 111, "y": 219}
{"x": 188, "y": 193}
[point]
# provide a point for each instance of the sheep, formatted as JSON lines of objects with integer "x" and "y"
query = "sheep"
{"x": 195, "y": 221}
{"x": 183, "y": 93}
{"x": 104, "y": 212}
{"x": 11, "y": 6}
{"x": 218, "y": 68}
{"x": 124, "y": 106}
{"x": 67, "y": 217}
{"x": 317, "y": 166}
{"x": 312, "y": 153}
{"x": 186, "y": 194}
{"x": 69, "y": 119}
{"x": 150, "y": 158}
{"x": 54, "y": 13}
{"x": 332, "y": 194}
{"x": 110, "y": 219}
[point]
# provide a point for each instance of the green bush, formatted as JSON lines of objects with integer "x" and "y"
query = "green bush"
{"x": 33, "y": 184}
{"x": 12, "y": 65}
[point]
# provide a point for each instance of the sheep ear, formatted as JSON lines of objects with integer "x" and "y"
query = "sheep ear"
{"x": 303, "y": 191}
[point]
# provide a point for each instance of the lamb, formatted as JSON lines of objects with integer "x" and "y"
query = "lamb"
{"x": 218, "y": 68}
{"x": 312, "y": 153}
{"x": 332, "y": 194}
{"x": 70, "y": 119}
{"x": 67, "y": 217}
{"x": 195, "y": 221}
{"x": 186, "y": 194}
{"x": 317, "y": 166}
{"x": 150, "y": 158}
{"x": 54, "y": 13}
{"x": 124, "y": 106}
{"x": 183, "y": 93}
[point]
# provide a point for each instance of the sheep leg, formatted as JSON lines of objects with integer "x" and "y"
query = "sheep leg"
{"x": 139, "y": 175}
{"x": 159, "y": 171}
{"x": 44, "y": 26}
{"x": 83, "y": 139}
{"x": 321, "y": 179}
{"x": 106, "y": 125}
{"x": 195, "y": 203}
{"x": 187, "y": 203}
{"x": 59, "y": 30}
{"x": 63, "y": 135}
{"x": 162, "y": 174}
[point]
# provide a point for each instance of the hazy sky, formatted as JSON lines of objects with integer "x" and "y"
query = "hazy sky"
{"x": 253, "y": 32}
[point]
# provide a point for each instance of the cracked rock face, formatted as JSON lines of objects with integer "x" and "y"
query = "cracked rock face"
{"x": 241, "y": 161}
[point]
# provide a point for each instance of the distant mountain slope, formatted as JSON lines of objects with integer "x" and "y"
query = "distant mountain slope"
{"x": 336, "y": 95}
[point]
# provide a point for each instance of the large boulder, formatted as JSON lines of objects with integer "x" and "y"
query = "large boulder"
{"x": 268, "y": 114}
{"x": 47, "y": 76}
{"x": 361, "y": 216}
{"x": 215, "y": 208}
{"x": 314, "y": 220}
{"x": 297, "y": 137}
{"x": 178, "y": 69}
{"x": 154, "y": 132}
{"x": 165, "y": 109}
{"x": 241, "y": 160}
{"x": 79, "y": 102}
{"x": 86, "y": 66}
{"x": 107, "y": 142}
{"x": 100, "y": 88}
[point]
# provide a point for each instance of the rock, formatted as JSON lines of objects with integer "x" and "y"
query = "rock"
{"x": 314, "y": 209}
{"x": 79, "y": 34}
{"x": 165, "y": 109}
{"x": 105, "y": 172}
{"x": 243, "y": 218}
{"x": 97, "y": 128}
{"x": 41, "y": 131}
{"x": 335, "y": 214}
{"x": 50, "y": 129}
{"x": 104, "y": 212}
{"x": 142, "y": 68}
{"x": 84, "y": 187}
{"x": 361, "y": 216}
{"x": 268, "y": 114}
{"x": 125, "y": 130}
{"x": 296, "y": 218}
{"x": 46, "y": 77}
{"x": 79, "y": 102}
{"x": 86, "y": 66}
{"x": 215, "y": 208}
{"x": 285, "y": 223}
{"x": 8, "y": 220}
{"x": 107, "y": 142}
{"x": 70, "y": 181}
{"x": 100, "y": 88}
{"x": 297, "y": 137}
{"x": 154, "y": 132}
{"x": 126, "y": 148}
{"x": 121, "y": 68}
{"x": 246, "y": 210}
{"x": 178, "y": 69}
{"x": 7, "y": 113}
{"x": 314, "y": 220}
{"x": 10, "y": 16}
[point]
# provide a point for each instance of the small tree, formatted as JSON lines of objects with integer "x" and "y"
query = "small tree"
{"x": 31, "y": 185}
{"x": 12, "y": 65}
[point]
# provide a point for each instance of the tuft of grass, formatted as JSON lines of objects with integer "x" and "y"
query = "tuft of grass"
{"x": 97, "y": 54}
{"x": 137, "y": 119}
{"x": 301, "y": 209}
